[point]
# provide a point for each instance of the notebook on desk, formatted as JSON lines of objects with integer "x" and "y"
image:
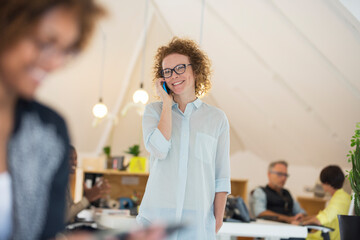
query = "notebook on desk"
{"x": 321, "y": 228}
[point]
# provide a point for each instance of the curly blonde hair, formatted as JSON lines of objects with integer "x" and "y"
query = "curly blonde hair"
{"x": 199, "y": 60}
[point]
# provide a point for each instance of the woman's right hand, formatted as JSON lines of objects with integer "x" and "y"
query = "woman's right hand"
{"x": 98, "y": 191}
{"x": 166, "y": 98}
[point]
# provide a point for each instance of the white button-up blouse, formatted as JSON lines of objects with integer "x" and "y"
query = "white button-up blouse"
{"x": 187, "y": 170}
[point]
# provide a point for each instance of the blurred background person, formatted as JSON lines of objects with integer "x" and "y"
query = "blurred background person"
{"x": 332, "y": 179}
{"x": 92, "y": 194}
{"x": 274, "y": 201}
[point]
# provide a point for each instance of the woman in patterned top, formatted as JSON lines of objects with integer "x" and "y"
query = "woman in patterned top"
{"x": 37, "y": 37}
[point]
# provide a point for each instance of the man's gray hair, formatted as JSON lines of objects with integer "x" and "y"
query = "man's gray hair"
{"x": 272, "y": 165}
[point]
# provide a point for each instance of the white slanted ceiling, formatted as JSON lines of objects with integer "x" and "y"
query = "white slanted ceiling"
{"x": 285, "y": 72}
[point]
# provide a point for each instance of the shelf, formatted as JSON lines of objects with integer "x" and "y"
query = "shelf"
{"x": 115, "y": 172}
{"x": 124, "y": 183}
{"x": 239, "y": 188}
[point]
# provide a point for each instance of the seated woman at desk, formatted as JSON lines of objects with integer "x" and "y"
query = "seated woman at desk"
{"x": 332, "y": 179}
{"x": 90, "y": 194}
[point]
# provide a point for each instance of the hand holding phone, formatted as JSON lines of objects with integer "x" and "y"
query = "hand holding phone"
{"x": 164, "y": 92}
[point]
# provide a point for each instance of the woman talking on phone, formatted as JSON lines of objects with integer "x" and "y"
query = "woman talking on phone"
{"x": 188, "y": 141}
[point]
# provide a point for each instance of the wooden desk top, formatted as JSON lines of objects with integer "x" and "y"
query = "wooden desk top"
{"x": 115, "y": 172}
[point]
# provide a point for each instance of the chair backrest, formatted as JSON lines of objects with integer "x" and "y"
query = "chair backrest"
{"x": 252, "y": 202}
{"x": 236, "y": 209}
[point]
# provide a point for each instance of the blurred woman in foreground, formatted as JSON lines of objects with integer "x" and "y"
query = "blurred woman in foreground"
{"x": 37, "y": 37}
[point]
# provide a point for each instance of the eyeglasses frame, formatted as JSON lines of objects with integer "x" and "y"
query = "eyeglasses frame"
{"x": 173, "y": 70}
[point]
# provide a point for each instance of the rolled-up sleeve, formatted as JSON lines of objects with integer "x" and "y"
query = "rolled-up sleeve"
{"x": 222, "y": 160}
{"x": 297, "y": 209}
{"x": 154, "y": 140}
{"x": 74, "y": 208}
{"x": 258, "y": 202}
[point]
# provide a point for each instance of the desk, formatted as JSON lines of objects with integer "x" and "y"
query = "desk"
{"x": 262, "y": 228}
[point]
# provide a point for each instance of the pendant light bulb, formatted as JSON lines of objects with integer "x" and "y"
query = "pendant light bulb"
{"x": 100, "y": 110}
{"x": 141, "y": 96}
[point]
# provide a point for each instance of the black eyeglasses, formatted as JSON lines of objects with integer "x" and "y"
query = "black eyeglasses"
{"x": 280, "y": 174}
{"x": 49, "y": 49}
{"x": 179, "y": 69}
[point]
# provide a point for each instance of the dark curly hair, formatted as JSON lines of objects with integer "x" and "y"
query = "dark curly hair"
{"x": 19, "y": 17}
{"x": 199, "y": 60}
{"x": 333, "y": 176}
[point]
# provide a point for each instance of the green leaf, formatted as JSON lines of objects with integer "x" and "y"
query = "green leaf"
{"x": 134, "y": 150}
{"x": 107, "y": 151}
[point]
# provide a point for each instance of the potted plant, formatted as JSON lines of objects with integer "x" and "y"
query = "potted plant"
{"x": 137, "y": 164}
{"x": 107, "y": 151}
{"x": 349, "y": 225}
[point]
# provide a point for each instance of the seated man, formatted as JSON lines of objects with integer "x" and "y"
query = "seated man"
{"x": 332, "y": 180}
{"x": 90, "y": 194}
{"x": 273, "y": 200}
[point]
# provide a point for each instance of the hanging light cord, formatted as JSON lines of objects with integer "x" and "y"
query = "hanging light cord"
{"x": 144, "y": 44}
{"x": 101, "y": 77}
{"x": 202, "y": 21}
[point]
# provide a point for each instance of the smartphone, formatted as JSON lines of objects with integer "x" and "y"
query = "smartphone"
{"x": 165, "y": 87}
